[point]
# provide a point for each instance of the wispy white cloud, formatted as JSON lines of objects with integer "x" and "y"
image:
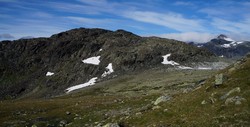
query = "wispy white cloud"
{"x": 92, "y": 21}
{"x": 74, "y": 8}
{"x": 212, "y": 11}
{"x": 95, "y": 2}
{"x": 170, "y": 20}
{"x": 239, "y": 30}
{"x": 231, "y": 26}
{"x": 92, "y": 7}
{"x": 190, "y": 36}
{"x": 183, "y": 3}
{"x": 46, "y": 18}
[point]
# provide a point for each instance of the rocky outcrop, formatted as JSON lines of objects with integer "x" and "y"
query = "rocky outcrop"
{"x": 162, "y": 99}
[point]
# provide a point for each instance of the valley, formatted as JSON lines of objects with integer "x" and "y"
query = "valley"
{"x": 101, "y": 78}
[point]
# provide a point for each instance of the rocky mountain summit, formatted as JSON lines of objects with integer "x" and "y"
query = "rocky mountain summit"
{"x": 224, "y": 46}
{"x": 45, "y": 67}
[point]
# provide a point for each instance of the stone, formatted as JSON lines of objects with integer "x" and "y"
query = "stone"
{"x": 111, "y": 125}
{"x": 231, "y": 69}
{"x": 99, "y": 125}
{"x": 138, "y": 113}
{"x": 218, "y": 79}
{"x": 68, "y": 113}
{"x": 145, "y": 108}
{"x": 237, "y": 100}
{"x": 187, "y": 90}
{"x": 212, "y": 100}
{"x": 165, "y": 110}
{"x": 156, "y": 107}
{"x": 62, "y": 123}
{"x": 203, "y": 102}
{"x": 162, "y": 99}
{"x": 237, "y": 89}
{"x": 33, "y": 125}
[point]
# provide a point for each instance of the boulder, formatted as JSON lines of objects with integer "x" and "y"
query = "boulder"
{"x": 237, "y": 100}
{"x": 162, "y": 99}
{"x": 165, "y": 110}
{"x": 237, "y": 89}
{"x": 111, "y": 125}
{"x": 156, "y": 107}
{"x": 218, "y": 79}
{"x": 68, "y": 113}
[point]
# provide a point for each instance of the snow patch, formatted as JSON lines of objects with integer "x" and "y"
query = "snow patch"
{"x": 236, "y": 43}
{"x": 89, "y": 83}
{"x": 228, "y": 39}
{"x": 204, "y": 68}
{"x": 166, "y": 61}
{"x": 100, "y": 50}
{"x": 185, "y": 68}
{"x": 109, "y": 70}
{"x": 92, "y": 60}
{"x": 233, "y": 43}
{"x": 226, "y": 45}
{"x": 49, "y": 73}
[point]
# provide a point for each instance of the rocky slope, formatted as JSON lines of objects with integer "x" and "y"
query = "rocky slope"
{"x": 154, "y": 98}
{"x": 26, "y": 62}
{"x": 224, "y": 46}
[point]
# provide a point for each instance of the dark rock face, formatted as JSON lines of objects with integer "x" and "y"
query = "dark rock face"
{"x": 25, "y": 62}
{"x": 221, "y": 46}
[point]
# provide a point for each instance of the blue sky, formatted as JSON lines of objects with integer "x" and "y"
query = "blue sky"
{"x": 187, "y": 20}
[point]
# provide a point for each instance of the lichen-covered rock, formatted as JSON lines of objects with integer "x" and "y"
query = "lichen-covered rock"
{"x": 156, "y": 107}
{"x": 237, "y": 89}
{"x": 162, "y": 99}
{"x": 218, "y": 79}
{"x": 237, "y": 100}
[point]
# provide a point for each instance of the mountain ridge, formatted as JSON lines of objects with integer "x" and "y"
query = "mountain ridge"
{"x": 62, "y": 54}
{"x": 224, "y": 46}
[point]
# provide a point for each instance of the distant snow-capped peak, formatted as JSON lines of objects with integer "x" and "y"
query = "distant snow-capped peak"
{"x": 224, "y": 37}
{"x": 228, "y": 45}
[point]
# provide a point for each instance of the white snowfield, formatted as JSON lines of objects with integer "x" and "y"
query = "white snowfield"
{"x": 92, "y": 60}
{"x": 100, "y": 50}
{"x": 233, "y": 43}
{"x": 89, "y": 83}
{"x": 185, "y": 68}
{"x": 109, "y": 70}
{"x": 228, "y": 39}
{"x": 49, "y": 73}
{"x": 204, "y": 68}
{"x": 166, "y": 61}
